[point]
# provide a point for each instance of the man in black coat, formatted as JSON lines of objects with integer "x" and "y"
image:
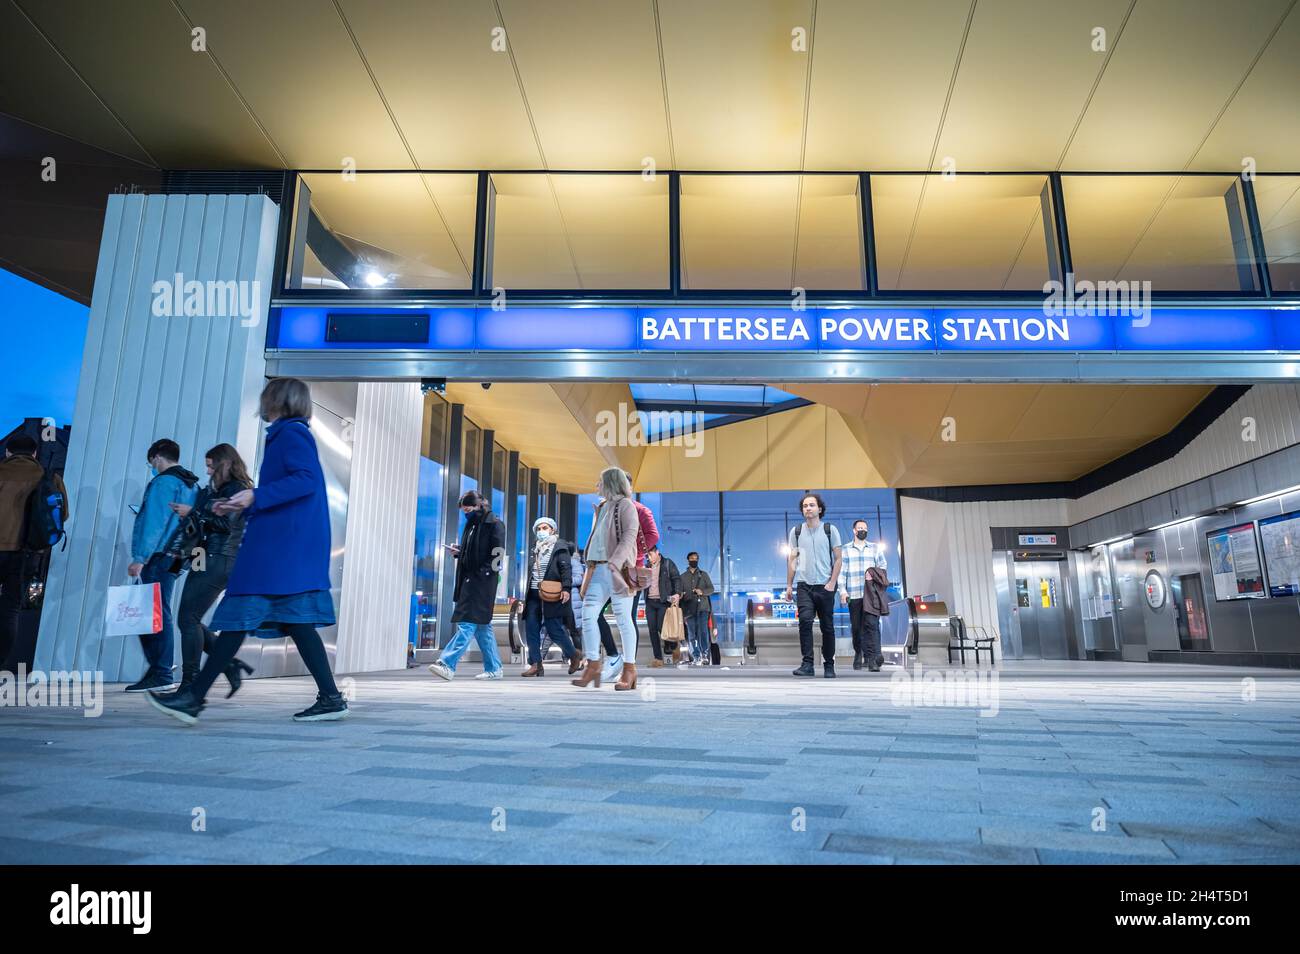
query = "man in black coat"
{"x": 665, "y": 590}
{"x": 479, "y": 557}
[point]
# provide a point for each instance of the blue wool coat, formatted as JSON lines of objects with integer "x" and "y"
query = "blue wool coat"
{"x": 286, "y": 546}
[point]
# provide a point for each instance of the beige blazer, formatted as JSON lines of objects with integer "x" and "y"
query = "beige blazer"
{"x": 620, "y": 540}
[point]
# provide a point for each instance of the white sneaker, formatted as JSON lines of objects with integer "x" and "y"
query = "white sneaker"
{"x": 440, "y": 668}
{"x": 494, "y": 674}
{"x": 611, "y": 669}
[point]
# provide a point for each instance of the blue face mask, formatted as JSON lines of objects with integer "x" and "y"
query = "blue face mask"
{"x": 153, "y": 471}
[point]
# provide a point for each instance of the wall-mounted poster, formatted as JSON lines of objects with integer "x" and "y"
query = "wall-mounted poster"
{"x": 1280, "y": 536}
{"x": 1235, "y": 563}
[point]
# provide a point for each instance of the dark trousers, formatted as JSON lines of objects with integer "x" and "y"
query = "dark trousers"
{"x": 159, "y": 648}
{"x": 606, "y": 637}
{"x": 654, "y": 621}
{"x": 11, "y": 600}
{"x": 534, "y": 620}
{"x": 304, "y": 636}
{"x": 202, "y": 587}
{"x": 866, "y": 633}
{"x": 818, "y": 601}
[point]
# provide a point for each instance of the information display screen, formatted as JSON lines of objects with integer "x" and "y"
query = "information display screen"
{"x": 1235, "y": 564}
{"x": 1280, "y": 536}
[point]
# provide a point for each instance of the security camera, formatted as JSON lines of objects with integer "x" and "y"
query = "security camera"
{"x": 485, "y": 385}
{"x": 1222, "y": 509}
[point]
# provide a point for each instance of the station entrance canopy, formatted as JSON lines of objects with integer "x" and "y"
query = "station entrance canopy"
{"x": 589, "y": 341}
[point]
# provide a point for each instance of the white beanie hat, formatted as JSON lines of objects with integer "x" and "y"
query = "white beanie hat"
{"x": 544, "y": 520}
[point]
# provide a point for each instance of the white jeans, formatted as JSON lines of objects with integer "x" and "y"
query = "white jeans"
{"x": 600, "y": 589}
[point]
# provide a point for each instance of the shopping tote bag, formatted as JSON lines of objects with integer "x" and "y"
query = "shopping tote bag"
{"x": 133, "y": 609}
{"x": 673, "y": 629}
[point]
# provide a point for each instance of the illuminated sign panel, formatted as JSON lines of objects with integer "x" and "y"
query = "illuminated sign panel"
{"x": 684, "y": 328}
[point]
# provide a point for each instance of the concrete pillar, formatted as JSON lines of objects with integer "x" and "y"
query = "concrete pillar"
{"x": 148, "y": 373}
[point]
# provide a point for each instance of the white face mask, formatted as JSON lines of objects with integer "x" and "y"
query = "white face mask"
{"x": 543, "y": 534}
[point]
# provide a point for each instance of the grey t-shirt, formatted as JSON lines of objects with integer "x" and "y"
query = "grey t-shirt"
{"x": 815, "y": 558}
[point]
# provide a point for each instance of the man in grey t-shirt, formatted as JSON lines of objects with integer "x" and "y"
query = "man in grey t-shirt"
{"x": 813, "y": 571}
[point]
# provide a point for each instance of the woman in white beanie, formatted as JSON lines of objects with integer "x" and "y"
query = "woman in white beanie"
{"x": 550, "y": 582}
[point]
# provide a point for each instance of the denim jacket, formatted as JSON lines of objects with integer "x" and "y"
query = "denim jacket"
{"x": 156, "y": 521}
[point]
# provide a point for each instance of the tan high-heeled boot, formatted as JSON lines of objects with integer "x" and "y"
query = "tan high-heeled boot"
{"x": 589, "y": 675}
{"x": 628, "y": 679}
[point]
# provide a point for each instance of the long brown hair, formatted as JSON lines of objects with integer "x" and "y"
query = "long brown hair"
{"x": 227, "y": 465}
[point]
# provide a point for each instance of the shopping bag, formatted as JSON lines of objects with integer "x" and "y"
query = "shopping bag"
{"x": 133, "y": 609}
{"x": 673, "y": 629}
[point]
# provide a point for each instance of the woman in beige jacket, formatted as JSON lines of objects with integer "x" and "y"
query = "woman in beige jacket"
{"x": 610, "y": 553}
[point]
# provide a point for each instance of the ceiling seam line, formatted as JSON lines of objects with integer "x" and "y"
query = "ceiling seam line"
{"x": 1237, "y": 89}
{"x": 1087, "y": 101}
{"x": 938, "y": 137}
{"x": 803, "y": 147}
{"x": 1024, "y": 240}
{"x": 266, "y": 133}
{"x": 1011, "y": 434}
{"x": 99, "y": 99}
{"x": 82, "y": 142}
{"x": 663, "y": 83}
{"x": 415, "y": 162}
{"x": 1151, "y": 220}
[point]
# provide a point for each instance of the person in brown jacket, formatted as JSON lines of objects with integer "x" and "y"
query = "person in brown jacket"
{"x": 610, "y": 558}
{"x": 20, "y": 473}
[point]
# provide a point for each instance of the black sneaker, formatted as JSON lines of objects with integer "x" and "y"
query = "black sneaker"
{"x": 324, "y": 709}
{"x": 805, "y": 670}
{"x": 857, "y": 660}
{"x": 179, "y": 705}
{"x": 828, "y": 670}
{"x": 152, "y": 682}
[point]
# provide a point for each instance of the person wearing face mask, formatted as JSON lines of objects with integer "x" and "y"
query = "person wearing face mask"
{"x": 550, "y": 564}
{"x": 696, "y": 587}
{"x": 155, "y": 525}
{"x": 858, "y": 588}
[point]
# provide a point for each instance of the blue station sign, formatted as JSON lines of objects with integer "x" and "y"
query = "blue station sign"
{"x": 684, "y": 328}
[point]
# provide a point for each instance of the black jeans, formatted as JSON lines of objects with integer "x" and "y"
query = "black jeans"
{"x": 202, "y": 587}
{"x": 304, "y": 636}
{"x": 607, "y": 638}
{"x": 534, "y": 620}
{"x": 866, "y": 633}
{"x": 654, "y": 621}
{"x": 11, "y": 600}
{"x": 819, "y": 601}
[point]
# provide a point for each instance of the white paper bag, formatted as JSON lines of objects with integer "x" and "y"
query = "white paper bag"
{"x": 133, "y": 609}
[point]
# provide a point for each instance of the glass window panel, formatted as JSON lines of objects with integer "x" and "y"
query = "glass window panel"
{"x": 730, "y": 393}
{"x": 428, "y": 540}
{"x": 434, "y": 444}
{"x": 961, "y": 233}
{"x": 688, "y": 520}
{"x": 1181, "y": 233}
{"x": 389, "y": 230}
{"x": 470, "y": 461}
{"x": 1278, "y": 201}
{"x": 767, "y": 232}
{"x": 663, "y": 392}
{"x": 580, "y": 232}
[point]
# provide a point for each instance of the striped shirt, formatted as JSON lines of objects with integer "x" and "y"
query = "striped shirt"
{"x": 858, "y": 557}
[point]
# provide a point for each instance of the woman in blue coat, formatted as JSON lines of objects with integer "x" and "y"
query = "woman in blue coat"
{"x": 280, "y": 582}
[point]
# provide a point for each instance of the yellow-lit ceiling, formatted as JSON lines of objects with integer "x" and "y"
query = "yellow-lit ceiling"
{"x": 852, "y": 435}
{"x": 726, "y": 85}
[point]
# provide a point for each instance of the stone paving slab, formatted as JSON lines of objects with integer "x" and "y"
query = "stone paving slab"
{"x": 707, "y": 770}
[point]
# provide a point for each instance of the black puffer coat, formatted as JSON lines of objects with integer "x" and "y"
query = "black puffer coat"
{"x": 478, "y": 568}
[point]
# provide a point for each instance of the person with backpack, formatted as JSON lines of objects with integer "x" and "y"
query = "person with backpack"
{"x": 696, "y": 588}
{"x": 217, "y": 537}
{"x": 151, "y": 537}
{"x": 813, "y": 571}
{"x": 33, "y": 510}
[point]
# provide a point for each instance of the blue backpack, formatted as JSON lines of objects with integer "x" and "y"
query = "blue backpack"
{"x": 46, "y": 509}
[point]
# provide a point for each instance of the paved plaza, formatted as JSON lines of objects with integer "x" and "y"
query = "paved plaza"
{"x": 1090, "y": 764}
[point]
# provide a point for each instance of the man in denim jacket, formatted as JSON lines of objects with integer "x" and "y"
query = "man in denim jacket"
{"x": 155, "y": 523}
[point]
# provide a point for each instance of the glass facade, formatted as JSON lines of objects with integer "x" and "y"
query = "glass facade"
{"x": 930, "y": 231}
